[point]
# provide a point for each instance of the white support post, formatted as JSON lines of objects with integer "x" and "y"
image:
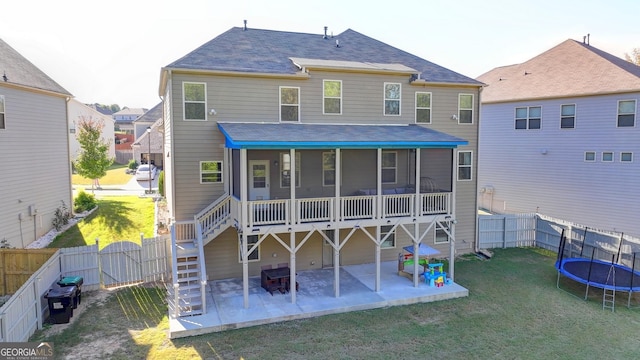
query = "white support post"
{"x": 416, "y": 225}
{"x": 243, "y": 205}
{"x": 379, "y": 186}
{"x": 292, "y": 261}
{"x": 292, "y": 187}
{"x": 338, "y": 176}
{"x": 452, "y": 207}
{"x": 418, "y": 203}
{"x": 378, "y": 242}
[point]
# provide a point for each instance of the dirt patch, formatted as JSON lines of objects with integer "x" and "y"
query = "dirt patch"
{"x": 163, "y": 217}
{"x": 90, "y": 298}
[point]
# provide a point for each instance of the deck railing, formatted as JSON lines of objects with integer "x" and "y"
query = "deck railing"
{"x": 287, "y": 212}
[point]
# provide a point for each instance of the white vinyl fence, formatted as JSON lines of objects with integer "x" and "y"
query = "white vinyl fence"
{"x": 119, "y": 264}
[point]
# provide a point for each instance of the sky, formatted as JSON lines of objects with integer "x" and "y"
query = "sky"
{"x": 112, "y": 51}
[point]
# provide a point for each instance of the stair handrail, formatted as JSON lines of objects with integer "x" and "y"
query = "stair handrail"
{"x": 203, "y": 269}
{"x": 174, "y": 271}
{"x": 222, "y": 205}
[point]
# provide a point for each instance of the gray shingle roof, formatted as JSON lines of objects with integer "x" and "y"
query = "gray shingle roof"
{"x": 20, "y": 71}
{"x": 269, "y": 51}
{"x": 152, "y": 115}
{"x": 322, "y": 136}
{"x": 567, "y": 70}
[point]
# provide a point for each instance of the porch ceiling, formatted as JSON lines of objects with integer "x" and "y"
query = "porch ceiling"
{"x": 323, "y": 136}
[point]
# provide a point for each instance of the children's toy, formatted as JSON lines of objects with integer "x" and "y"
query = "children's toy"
{"x": 435, "y": 276}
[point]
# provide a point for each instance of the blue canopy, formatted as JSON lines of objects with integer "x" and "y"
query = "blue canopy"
{"x": 423, "y": 250}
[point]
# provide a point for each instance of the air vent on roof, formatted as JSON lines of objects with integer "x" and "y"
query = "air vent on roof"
{"x": 337, "y": 43}
{"x": 325, "y": 33}
{"x": 585, "y": 39}
{"x": 4, "y": 77}
{"x": 245, "y": 26}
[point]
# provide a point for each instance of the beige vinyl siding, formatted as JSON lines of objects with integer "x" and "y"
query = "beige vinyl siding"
{"x": 34, "y": 153}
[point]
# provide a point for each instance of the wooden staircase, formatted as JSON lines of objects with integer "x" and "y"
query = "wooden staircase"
{"x": 187, "y": 295}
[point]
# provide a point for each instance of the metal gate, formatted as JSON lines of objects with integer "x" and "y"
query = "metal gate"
{"x": 120, "y": 264}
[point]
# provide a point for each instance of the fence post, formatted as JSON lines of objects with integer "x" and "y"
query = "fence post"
{"x": 99, "y": 261}
{"x": 504, "y": 232}
{"x": 36, "y": 288}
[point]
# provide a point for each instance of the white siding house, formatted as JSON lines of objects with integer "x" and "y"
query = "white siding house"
{"x": 34, "y": 150}
{"x": 81, "y": 112}
{"x": 560, "y": 136}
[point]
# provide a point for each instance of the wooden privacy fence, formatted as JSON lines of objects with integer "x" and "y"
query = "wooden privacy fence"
{"x": 17, "y": 265}
{"x": 118, "y": 264}
{"x": 503, "y": 231}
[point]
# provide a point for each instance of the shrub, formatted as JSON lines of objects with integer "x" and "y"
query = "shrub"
{"x": 132, "y": 164}
{"x": 161, "y": 183}
{"x": 84, "y": 202}
{"x": 61, "y": 216}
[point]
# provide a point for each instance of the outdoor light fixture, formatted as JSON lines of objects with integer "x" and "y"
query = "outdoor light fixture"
{"x": 149, "y": 157}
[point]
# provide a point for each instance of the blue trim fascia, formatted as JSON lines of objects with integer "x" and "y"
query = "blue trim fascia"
{"x": 340, "y": 144}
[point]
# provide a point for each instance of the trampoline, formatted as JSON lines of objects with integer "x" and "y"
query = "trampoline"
{"x": 607, "y": 275}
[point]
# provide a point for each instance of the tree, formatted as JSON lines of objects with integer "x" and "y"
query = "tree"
{"x": 634, "y": 57}
{"x": 93, "y": 160}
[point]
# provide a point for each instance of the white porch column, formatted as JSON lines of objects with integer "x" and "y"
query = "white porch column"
{"x": 378, "y": 214}
{"x": 416, "y": 227}
{"x": 452, "y": 205}
{"x": 244, "y": 223}
{"x": 227, "y": 173}
{"x": 292, "y": 188}
{"x": 337, "y": 218}
{"x": 292, "y": 266}
{"x": 379, "y": 237}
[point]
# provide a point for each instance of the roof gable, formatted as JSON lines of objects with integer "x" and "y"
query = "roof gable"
{"x": 17, "y": 70}
{"x": 567, "y": 70}
{"x": 268, "y": 51}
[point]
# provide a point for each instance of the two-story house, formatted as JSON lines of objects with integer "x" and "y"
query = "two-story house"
{"x": 316, "y": 150}
{"x": 559, "y": 136}
{"x": 149, "y": 138}
{"x": 34, "y": 150}
{"x": 124, "y": 119}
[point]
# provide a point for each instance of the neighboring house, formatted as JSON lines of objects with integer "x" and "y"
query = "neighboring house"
{"x": 77, "y": 112}
{"x": 34, "y": 150}
{"x": 559, "y": 136}
{"x": 124, "y": 119}
{"x": 277, "y": 137}
{"x": 146, "y": 120}
{"x": 150, "y": 143}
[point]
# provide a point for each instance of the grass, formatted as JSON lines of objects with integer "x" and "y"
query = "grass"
{"x": 116, "y": 175}
{"x": 117, "y": 218}
{"x": 514, "y": 311}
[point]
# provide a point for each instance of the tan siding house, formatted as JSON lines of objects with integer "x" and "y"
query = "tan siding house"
{"x": 285, "y": 148}
{"x": 34, "y": 150}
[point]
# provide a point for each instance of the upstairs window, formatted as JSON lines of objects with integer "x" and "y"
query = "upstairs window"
{"x": 626, "y": 157}
{"x": 590, "y": 156}
{"x": 626, "y": 113}
{"x": 392, "y": 99}
{"x": 289, "y": 104}
{"x": 465, "y": 109}
{"x": 332, "y": 97}
{"x": 389, "y": 167}
{"x": 210, "y": 172}
{"x": 328, "y": 168}
{"x": 528, "y": 118}
{"x": 285, "y": 173}
{"x": 465, "y": 162}
{"x": 195, "y": 104}
{"x": 2, "y": 112}
{"x": 607, "y": 156}
{"x": 423, "y": 107}
{"x": 568, "y": 116}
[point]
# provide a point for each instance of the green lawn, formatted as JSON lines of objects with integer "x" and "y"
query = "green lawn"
{"x": 117, "y": 218}
{"x": 116, "y": 175}
{"x": 514, "y": 311}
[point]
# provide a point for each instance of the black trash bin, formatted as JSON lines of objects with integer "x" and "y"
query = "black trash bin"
{"x": 76, "y": 281}
{"x": 60, "y": 299}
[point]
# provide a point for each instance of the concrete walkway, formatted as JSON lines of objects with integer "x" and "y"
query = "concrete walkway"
{"x": 225, "y": 301}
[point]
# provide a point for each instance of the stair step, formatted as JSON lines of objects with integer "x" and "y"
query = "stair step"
{"x": 188, "y": 279}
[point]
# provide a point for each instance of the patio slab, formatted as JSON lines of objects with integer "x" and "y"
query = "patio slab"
{"x": 225, "y": 302}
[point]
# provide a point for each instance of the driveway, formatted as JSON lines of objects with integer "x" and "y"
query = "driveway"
{"x": 133, "y": 187}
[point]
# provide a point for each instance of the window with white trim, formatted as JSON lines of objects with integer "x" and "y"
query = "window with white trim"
{"x": 210, "y": 172}
{"x": 626, "y": 157}
{"x": 568, "y": 116}
{"x": 332, "y": 94}
{"x": 465, "y": 163}
{"x": 465, "y": 109}
{"x": 2, "y": 112}
{"x": 289, "y": 103}
{"x": 390, "y": 241}
{"x": 389, "y": 167}
{"x": 590, "y": 156}
{"x": 285, "y": 172}
{"x": 423, "y": 107}
{"x": 607, "y": 156}
{"x": 392, "y": 99}
{"x": 328, "y": 168}
{"x": 528, "y": 118}
{"x": 255, "y": 254}
{"x": 194, "y": 101}
{"x": 626, "y": 113}
{"x": 441, "y": 234}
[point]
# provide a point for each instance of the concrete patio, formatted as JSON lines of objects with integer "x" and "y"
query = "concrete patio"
{"x": 316, "y": 298}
